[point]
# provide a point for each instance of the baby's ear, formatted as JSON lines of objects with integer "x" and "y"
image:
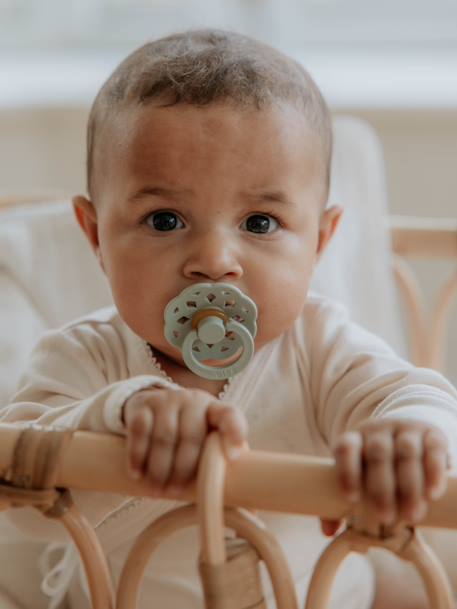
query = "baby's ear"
{"x": 86, "y": 215}
{"x": 327, "y": 226}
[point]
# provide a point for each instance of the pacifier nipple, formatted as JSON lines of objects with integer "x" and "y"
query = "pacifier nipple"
{"x": 212, "y": 322}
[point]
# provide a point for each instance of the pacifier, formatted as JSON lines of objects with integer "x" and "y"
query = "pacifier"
{"x": 212, "y": 322}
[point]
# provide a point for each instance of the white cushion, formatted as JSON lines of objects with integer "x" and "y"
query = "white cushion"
{"x": 48, "y": 276}
{"x": 355, "y": 268}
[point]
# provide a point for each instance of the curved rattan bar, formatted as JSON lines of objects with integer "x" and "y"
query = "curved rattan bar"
{"x": 417, "y": 327}
{"x": 440, "y": 317}
{"x": 210, "y": 501}
{"x": 424, "y": 238}
{"x": 405, "y": 543}
{"x": 324, "y": 573}
{"x": 430, "y": 569}
{"x": 141, "y": 551}
{"x": 94, "y": 561}
{"x": 244, "y": 525}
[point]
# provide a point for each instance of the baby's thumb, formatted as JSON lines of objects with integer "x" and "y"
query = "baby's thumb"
{"x": 233, "y": 428}
{"x": 330, "y": 527}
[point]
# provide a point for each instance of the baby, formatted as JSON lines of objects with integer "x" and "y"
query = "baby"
{"x": 208, "y": 162}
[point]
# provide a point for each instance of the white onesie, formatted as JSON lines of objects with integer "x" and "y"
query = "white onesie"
{"x": 299, "y": 393}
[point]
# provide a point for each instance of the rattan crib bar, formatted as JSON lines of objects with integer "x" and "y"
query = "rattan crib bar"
{"x": 35, "y": 461}
{"x": 302, "y": 485}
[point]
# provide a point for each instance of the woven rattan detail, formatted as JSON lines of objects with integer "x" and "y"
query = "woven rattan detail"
{"x": 234, "y": 584}
{"x": 31, "y": 479}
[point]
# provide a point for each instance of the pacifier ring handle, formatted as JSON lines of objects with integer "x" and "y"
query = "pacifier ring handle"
{"x": 223, "y": 372}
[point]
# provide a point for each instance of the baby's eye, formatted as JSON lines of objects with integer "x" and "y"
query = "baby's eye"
{"x": 164, "y": 221}
{"x": 260, "y": 223}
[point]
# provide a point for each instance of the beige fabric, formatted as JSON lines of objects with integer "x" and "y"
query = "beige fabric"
{"x": 20, "y": 576}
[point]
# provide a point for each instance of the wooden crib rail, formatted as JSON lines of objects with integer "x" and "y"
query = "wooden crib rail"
{"x": 301, "y": 485}
{"x": 424, "y": 237}
{"x": 35, "y": 461}
{"x": 429, "y": 238}
{"x": 33, "y": 198}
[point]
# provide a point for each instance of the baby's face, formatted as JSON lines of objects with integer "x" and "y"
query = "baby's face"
{"x": 212, "y": 194}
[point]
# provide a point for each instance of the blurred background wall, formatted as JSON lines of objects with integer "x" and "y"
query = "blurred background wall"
{"x": 391, "y": 62}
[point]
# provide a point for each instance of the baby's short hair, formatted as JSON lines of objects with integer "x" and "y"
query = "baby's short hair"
{"x": 198, "y": 67}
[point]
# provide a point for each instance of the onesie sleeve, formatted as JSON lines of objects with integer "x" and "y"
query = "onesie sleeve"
{"x": 76, "y": 379}
{"x": 79, "y": 380}
{"x": 355, "y": 376}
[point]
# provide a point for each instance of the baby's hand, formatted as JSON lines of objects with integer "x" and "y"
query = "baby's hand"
{"x": 398, "y": 466}
{"x": 166, "y": 430}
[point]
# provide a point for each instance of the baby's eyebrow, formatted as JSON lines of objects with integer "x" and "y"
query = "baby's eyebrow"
{"x": 273, "y": 196}
{"x": 267, "y": 196}
{"x": 158, "y": 191}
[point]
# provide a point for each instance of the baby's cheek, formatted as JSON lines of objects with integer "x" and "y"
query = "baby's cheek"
{"x": 137, "y": 304}
{"x": 279, "y": 310}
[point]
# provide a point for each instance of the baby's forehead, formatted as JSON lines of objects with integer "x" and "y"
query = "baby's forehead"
{"x": 205, "y": 67}
{"x": 172, "y": 140}
{"x": 139, "y": 123}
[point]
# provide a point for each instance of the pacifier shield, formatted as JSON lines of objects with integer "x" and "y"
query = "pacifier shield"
{"x": 212, "y": 311}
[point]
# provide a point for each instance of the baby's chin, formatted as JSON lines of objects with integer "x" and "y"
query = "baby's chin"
{"x": 166, "y": 350}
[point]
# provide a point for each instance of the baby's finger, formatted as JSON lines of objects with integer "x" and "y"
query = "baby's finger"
{"x": 139, "y": 426}
{"x": 163, "y": 444}
{"x": 232, "y": 425}
{"x": 435, "y": 463}
{"x": 410, "y": 476}
{"x": 348, "y": 457}
{"x": 380, "y": 474}
{"x": 330, "y": 527}
{"x": 192, "y": 433}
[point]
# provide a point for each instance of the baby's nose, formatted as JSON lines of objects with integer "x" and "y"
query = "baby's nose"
{"x": 212, "y": 256}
